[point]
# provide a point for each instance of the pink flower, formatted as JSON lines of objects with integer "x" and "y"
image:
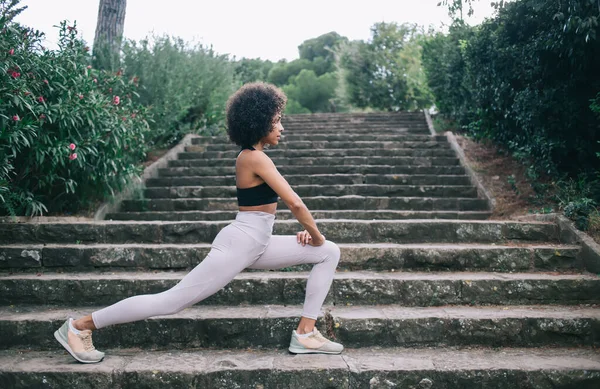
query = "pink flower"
{"x": 42, "y": 117}
{"x": 133, "y": 115}
{"x": 11, "y": 52}
{"x": 124, "y": 118}
{"x": 46, "y": 82}
{"x": 95, "y": 80}
{"x": 16, "y": 118}
{"x": 41, "y": 99}
{"x": 80, "y": 97}
{"x": 72, "y": 147}
{"x": 73, "y": 156}
{"x": 89, "y": 66}
{"x": 116, "y": 100}
{"x": 15, "y": 74}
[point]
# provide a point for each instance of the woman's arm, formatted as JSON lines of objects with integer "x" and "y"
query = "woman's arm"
{"x": 262, "y": 166}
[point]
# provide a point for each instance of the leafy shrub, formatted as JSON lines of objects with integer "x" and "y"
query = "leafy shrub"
{"x": 526, "y": 78}
{"x": 312, "y": 92}
{"x": 385, "y": 73}
{"x": 185, "y": 87}
{"x": 445, "y": 67}
{"x": 580, "y": 211}
{"x": 578, "y": 199}
{"x": 69, "y": 134}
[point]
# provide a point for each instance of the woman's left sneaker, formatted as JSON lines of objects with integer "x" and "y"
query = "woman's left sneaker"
{"x": 80, "y": 345}
{"x": 315, "y": 343}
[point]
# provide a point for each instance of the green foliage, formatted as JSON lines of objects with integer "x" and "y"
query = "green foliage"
{"x": 385, "y": 73}
{"x": 445, "y": 67}
{"x": 69, "y": 134}
{"x": 185, "y": 87}
{"x": 525, "y": 79}
{"x": 321, "y": 47}
{"x": 456, "y": 8}
{"x": 310, "y": 81}
{"x": 580, "y": 212}
{"x": 250, "y": 70}
{"x": 578, "y": 199}
{"x": 312, "y": 92}
{"x": 282, "y": 71}
{"x": 294, "y": 107}
{"x": 321, "y": 51}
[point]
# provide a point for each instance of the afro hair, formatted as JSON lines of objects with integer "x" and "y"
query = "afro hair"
{"x": 251, "y": 110}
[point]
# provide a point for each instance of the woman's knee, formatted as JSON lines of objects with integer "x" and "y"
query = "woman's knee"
{"x": 332, "y": 251}
{"x": 169, "y": 302}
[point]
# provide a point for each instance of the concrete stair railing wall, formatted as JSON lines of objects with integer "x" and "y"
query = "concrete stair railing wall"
{"x": 429, "y": 293}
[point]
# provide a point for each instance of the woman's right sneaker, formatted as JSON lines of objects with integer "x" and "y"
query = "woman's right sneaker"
{"x": 80, "y": 345}
{"x": 315, "y": 343}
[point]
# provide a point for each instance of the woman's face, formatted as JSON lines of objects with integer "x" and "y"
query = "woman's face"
{"x": 274, "y": 136}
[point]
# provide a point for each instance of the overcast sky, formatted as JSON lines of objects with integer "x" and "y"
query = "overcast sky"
{"x": 264, "y": 29}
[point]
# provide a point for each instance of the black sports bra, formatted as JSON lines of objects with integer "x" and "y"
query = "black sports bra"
{"x": 257, "y": 195}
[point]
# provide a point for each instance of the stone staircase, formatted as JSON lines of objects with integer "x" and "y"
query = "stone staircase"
{"x": 429, "y": 294}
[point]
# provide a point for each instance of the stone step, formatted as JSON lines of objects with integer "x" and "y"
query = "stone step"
{"x": 330, "y": 161}
{"x": 371, "y": 122}
{"x": 346, "y": 117}
{"x": 328, "y": 138}
{"x": 327, "y": 145}
{"x": 365, "y": 120}
{"x": 376, "y": 256}
{"x": 422, "y": 139}
{"x": 406, "y": 122}
{"x": 320, "y": 179}
{"x": 192, "y": 153}
{"x": 271, "y": 326}
{"x": 368, "y": 119}
{"x": 180, "y": 192}
{"x": 351, "y": 202}
{"x": 288, "y": 288}
{"x": 450, "y": 368}
{"x": 342, "y": 135}
{"x": 324, "y": 169}
{"x": 387, "y": 129}
{"x": 322, "y": 131}
{"x": 339, "y": 231}
{"x": 287, "y": 215}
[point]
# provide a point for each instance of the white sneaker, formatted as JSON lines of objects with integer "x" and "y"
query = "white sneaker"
{"x": 80, "y": 345}
{"x": 315, "y": 343}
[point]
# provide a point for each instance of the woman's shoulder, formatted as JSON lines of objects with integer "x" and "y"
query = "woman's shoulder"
{"x": 253, "y": 156}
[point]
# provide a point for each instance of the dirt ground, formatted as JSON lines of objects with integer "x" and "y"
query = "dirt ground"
{"x": 506, "y": 180}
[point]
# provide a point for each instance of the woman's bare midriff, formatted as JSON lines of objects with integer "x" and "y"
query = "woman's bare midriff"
{"x": 267, "y": 208}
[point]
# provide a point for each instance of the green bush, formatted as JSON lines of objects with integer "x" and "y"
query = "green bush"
{"x": 69, "y": 134}
{"x": 580, "y": 212}
{"x": 293, "y": 107}
{"x": 525, "y": 79}
{"x": 385, "y": 73}
{"x": 312, "y": 92}
{"x": 185, "y": 87}
{"x": 250, "y": 70}
{"x": 445, "y": 67}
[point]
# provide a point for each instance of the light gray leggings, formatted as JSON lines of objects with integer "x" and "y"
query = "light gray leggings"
{"x": 246, "y": 243}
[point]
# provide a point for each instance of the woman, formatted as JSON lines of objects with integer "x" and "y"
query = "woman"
{"x": 254, "y": 122}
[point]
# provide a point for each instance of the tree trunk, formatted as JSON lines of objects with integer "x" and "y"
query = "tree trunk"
{"x": 109, "y": 33}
